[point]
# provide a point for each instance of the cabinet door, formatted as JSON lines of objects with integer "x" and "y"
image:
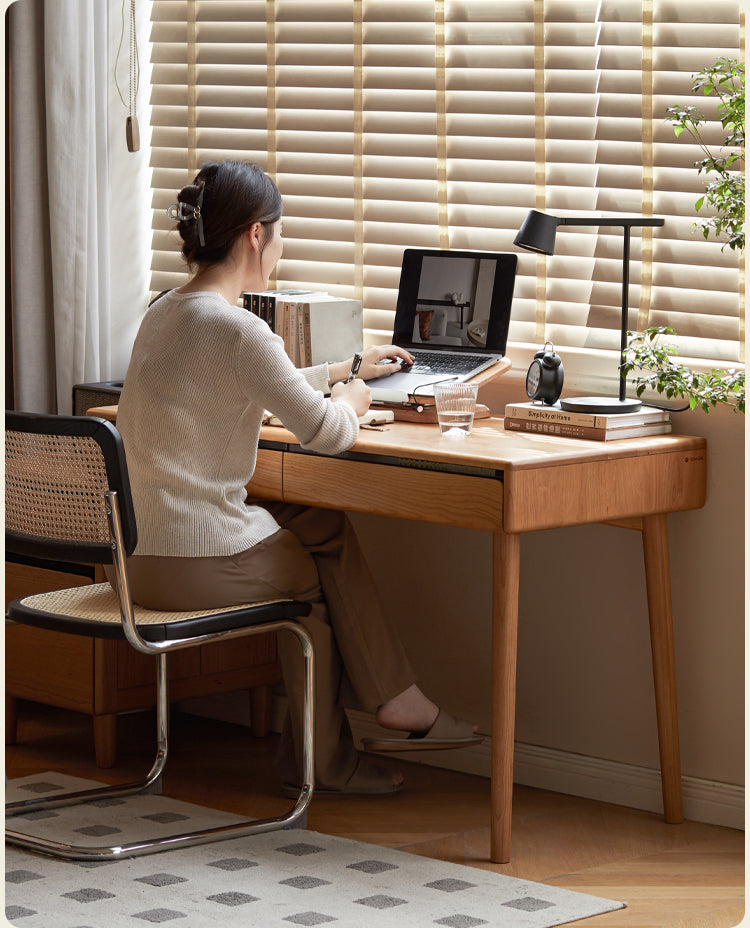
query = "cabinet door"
{"x": 43, "y": 666}
{"x": 255, "y": 651}
{"x": 49, "y": 667}
{"x": 135, "y": 669}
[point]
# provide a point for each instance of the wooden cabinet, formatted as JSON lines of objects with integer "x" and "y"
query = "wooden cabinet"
{"x": 103, "y": 678}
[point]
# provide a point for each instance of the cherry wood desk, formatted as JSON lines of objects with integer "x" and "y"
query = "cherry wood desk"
{"x": 508, "y": 484}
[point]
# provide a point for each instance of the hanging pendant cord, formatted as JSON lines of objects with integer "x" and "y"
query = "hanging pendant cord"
{"x": 134, "y": 77}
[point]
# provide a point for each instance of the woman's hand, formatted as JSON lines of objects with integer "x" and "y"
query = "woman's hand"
{"x": 389, "y": 355}
{"x": 356, "y": 393}
{"x": 371, "y": 366}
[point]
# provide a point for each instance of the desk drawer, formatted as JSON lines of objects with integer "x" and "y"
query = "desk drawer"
{"x": 266, "y": 482}
{"x": 399, "y": 492}
{"x": 600, "y": 491}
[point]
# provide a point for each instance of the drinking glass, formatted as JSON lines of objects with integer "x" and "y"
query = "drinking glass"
{"x": 456, "y": 403}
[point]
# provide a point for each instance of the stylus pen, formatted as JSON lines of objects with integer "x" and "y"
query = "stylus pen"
{"x": 356, "y": 361}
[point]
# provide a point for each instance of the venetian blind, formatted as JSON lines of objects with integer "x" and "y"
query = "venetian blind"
{"x": 396, "y": 123}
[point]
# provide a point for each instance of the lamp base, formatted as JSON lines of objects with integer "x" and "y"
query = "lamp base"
{"x": 600, "y": 405}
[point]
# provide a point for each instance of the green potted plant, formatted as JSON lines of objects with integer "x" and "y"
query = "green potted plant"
{"x": 725, "y": 195}
{"x": 665, "y": 374}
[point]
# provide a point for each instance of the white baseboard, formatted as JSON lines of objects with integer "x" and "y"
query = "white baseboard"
{"x": 588, "y": 777}
{"x": 545, "y": 768}
{"x": 626, "y": 785}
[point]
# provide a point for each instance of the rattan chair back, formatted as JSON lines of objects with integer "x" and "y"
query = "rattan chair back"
{"x": 57, "y": 472}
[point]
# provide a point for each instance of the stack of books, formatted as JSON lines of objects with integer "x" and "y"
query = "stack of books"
{"x": 553, "y": 420}
{"x": 315, "y": 326}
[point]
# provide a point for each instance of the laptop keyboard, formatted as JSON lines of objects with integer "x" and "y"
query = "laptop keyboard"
{"x": 443, "y": 362}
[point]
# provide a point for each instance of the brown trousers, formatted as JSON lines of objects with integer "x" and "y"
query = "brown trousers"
{"x": 315, "y": 557}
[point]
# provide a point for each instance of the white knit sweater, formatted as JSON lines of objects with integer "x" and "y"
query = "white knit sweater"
{"x": 201, "y": 375}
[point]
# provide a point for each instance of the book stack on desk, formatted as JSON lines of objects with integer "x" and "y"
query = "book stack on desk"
{"x": 553, "y": 420}
{"x": 315, "y": 326}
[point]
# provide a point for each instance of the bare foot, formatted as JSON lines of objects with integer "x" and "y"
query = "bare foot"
{"x": 409, "y": 711}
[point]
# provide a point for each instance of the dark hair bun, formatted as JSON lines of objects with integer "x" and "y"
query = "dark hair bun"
{"x": 189, "y": 194}
{"x": 234, "y": 196}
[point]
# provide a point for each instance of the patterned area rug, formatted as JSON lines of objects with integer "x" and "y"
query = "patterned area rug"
{"x": 284, "y": 878}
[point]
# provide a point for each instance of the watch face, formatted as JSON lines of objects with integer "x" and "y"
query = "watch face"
{"x": 532, "y": 379}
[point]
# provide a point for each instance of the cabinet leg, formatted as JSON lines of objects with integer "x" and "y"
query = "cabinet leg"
{"x": 659, "y": 591}
{"x": 260, "y": 710}
{"x": 105, "y": 739}
{"x": 11, "y": 719}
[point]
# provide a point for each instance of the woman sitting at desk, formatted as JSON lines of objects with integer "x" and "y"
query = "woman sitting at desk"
{"x": 202, "y": 373}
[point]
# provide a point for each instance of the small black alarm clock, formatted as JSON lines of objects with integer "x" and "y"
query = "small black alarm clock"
{"x": 544, "y": 380}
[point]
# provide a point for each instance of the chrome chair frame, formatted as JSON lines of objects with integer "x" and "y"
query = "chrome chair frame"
{"x": 120, "y": 548}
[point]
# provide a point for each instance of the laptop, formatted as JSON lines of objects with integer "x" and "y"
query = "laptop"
{"x": 452, "y": 314}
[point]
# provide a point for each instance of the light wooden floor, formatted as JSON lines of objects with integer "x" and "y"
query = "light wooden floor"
{"x": 671, "y": 876}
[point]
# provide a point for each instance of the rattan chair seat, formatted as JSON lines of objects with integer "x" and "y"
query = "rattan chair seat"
{"x": 94, "y": 610}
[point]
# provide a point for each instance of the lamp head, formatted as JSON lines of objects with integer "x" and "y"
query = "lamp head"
{"x": 538, "y": 232}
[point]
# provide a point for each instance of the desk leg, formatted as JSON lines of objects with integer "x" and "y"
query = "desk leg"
{"x": 505, "y": 568}
{"x": 659, "y": 592}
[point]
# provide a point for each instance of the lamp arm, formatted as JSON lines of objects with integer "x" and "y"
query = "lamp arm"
{"x": 627, "y": 222}
{"x": 624, "y": 316}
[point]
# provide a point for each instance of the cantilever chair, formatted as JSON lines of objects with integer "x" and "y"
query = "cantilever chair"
{"x": 67, "y": 498}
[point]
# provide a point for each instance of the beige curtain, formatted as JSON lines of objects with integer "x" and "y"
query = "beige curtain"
{"x": 59, "y": 195}
{"x": 32, "y": 348}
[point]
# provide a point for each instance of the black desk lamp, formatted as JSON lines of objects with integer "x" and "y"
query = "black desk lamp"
{"x": 538, "y": 234}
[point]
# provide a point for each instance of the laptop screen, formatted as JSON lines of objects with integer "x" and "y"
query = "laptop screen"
{"x": 454, "y": 300}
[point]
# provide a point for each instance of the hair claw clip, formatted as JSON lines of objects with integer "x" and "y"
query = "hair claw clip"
{"x": 185, "y": 212}
{"x": 182, "y": 212}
